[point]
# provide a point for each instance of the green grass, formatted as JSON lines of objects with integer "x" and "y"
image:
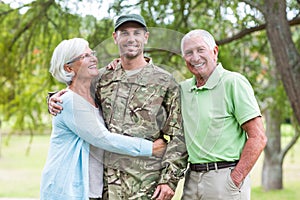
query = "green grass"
{"x": 20, "y": 173}
{"x": 291, "y": 192}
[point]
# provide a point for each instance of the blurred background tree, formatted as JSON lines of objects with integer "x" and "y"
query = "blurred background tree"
{"x": 259, "y": 39}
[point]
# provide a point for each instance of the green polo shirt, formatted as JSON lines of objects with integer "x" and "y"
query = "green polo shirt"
{"x": 213, "y": 115}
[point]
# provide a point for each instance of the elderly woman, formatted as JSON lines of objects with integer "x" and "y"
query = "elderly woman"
{"x": 74, "y": 167}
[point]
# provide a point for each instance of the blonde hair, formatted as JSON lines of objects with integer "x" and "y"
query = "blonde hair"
{"x": 206, "y": 36}
{"x": 64, "y": 52}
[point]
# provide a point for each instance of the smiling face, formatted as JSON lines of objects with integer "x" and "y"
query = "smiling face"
{"x": 131, "y": 38}
{"x": 84, "y": 66}
{"x": 201, "y": 60}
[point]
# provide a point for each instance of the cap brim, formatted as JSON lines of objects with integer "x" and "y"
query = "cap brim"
{"x": 131, "y": 20}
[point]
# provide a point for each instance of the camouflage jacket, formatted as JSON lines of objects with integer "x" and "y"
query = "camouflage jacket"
{"x": 146, "y": 105}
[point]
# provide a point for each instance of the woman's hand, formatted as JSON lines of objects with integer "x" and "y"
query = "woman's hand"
{"x": 159, "y": 148}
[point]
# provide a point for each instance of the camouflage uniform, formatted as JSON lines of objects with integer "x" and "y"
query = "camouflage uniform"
{"x": 146, "y": 105}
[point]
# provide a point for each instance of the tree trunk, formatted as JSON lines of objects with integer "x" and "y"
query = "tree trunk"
{"x": 287, "y": 62}
{"x": 285, "y": 53}
{"x": 272, "y": 165}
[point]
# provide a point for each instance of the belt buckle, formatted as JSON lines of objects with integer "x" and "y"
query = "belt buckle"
{"x": 207, "y": 167}
{"x": 216, "y": 166}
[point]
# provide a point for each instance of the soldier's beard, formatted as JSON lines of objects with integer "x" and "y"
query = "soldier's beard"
{"x": 131, "y": 52}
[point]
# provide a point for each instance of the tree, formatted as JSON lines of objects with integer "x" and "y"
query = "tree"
{"x": 287, "y": 62}
{"x": 29, "y": 34}
{"x": 247, "y": 31}
{"x": 257, "y": 17}
{"x": 27, "y": 43}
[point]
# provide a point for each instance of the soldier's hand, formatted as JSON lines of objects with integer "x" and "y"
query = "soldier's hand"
{"x": 113, "y": 64}
{"x": 163, "y": 192}
{"x": 159, "y": 148}
{"x": 53, "y": 107}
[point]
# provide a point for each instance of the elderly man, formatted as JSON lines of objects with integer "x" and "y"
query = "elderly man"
{"x": 222, "y": 124}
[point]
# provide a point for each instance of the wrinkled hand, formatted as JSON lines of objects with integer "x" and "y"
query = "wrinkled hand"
{"x": 236, "y": 177}
{"x": 163, "y": 192}
{"x": 159, "y": 148}
{"x": 53, "y": 107}
{"x": 113, "y": 64}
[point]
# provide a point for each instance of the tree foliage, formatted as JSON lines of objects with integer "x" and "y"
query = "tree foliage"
{"x": 27, "y": 43}
{"x": 258, "y": 38}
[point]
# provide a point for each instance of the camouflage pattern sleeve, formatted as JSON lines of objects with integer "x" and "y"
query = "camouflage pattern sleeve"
{"x": 174, "y": 161}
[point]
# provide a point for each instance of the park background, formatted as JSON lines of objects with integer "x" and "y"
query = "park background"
{"x": 260, "y": 39}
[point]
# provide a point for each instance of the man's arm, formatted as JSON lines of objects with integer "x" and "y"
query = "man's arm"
{"x": 255, "y": 144}
{"x": 52, "y": 99}
{"x": 175, "y": 158}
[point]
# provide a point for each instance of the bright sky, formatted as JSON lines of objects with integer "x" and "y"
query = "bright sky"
{"x": 93, "y": 7}
{"x": 85, "y": 7}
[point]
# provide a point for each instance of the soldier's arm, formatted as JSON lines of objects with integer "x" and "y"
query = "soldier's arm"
{"x": 53, "y": 99}
{"x": 175, "y": 158}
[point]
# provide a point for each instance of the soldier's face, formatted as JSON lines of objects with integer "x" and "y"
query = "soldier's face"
{"x": 130, "y": 38}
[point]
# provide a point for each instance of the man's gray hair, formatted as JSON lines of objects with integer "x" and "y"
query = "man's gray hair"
{"x": 63, "y": 53}
{"x": 206, "y": 36}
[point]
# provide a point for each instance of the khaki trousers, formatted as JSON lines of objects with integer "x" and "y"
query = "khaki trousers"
{"x": 214, "y": 185}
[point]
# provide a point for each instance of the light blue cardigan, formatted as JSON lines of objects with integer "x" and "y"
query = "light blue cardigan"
{"x": 66, "y": 172}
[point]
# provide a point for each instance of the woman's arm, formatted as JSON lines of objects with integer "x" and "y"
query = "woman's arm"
{"x": 84, "y": 120}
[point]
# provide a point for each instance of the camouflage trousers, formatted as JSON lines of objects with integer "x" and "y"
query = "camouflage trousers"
{"x": 120, "y": 185}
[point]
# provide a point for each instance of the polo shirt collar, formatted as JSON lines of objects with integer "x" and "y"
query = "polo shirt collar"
{"x": 212, "y": 80}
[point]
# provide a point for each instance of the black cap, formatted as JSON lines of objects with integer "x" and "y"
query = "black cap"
{"x": 130, "y": 18}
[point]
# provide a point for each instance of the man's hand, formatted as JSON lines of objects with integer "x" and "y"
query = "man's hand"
{"x": 113, "y": 64}
{"x": 236, "y": 179}
{"x": 53, "y": 107}
{"x": 159, "y": 148}
{"x": 163, "y": 192}
{"x": 254, "y": 146}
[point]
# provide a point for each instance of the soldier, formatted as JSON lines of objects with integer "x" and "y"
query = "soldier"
{"x": 142, "y": 100}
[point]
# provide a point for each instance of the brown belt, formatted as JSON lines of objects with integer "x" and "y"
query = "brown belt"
{"x": 205, "y": 167}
